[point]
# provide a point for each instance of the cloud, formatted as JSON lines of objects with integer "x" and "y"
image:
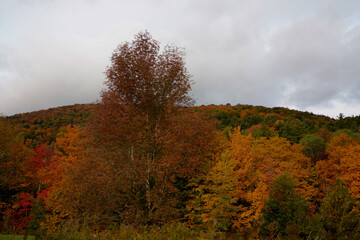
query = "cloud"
{"x": 308, "y": 62}
{"x": 316, "y": 62}
{"x": 304, "y": 54}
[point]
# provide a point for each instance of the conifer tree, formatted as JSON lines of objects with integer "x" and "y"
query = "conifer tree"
{"x": 285, "y": 211}
{"x": 339, "y": 213}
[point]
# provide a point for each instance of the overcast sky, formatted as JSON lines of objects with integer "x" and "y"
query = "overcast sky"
{"x": 303, "y": 55}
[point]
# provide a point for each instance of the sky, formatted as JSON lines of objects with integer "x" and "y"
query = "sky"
{"x": 303, "y": 55}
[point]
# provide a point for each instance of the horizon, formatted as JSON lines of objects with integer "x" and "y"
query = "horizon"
{"x": 195, "y": 105}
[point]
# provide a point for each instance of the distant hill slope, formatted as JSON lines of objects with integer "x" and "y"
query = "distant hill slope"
{"x": 44, "y": 125}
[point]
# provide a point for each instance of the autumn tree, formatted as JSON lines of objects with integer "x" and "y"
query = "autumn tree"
{"x": 215, "y": 202}
{"x": 267, "y": 159}
{"x": 39, "y": 165}
{"x": 13, "y": 155}
{"x": 355, "y": 136}
{"x": 233, "y": 193}
{"x": 343, "y": 162}
{"x": 61, "y": 199}
{"x": 146, "y": 138}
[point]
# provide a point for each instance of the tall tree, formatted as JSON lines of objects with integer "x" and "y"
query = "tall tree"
{"x": 145, "y": 135}
{"x": 62, "y": 198}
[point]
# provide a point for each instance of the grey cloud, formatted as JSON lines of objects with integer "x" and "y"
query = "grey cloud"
{"x": 311, "y": 57}
{"x": 274, "y": 53}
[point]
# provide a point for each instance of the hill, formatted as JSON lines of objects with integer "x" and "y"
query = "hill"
{"x": 44, "y": 125}
{"x": 225, "y": 175}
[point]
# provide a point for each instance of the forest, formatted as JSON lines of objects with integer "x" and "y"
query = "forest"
{"x": 146, "y": 163}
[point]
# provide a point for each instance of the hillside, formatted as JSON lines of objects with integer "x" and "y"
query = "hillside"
{"x": 43, "y": 126}
{"x": 219, "y": 168}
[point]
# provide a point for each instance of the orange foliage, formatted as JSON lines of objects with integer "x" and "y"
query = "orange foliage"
{"x": 69, "y": 152}
{"x": 239, "y": 182}
{"x": 259, "y": 162}
{"x": 343, "y": 162}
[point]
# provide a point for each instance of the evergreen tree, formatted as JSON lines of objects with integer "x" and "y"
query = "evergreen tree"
{"x": 284, "y": 213}
{"x": 339, "y": 213}
{"x": 314, "y": 147}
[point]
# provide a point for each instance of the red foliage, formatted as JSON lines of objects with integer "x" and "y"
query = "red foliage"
{"x": 21, "y": 214}
{"x": 43, "y": 155}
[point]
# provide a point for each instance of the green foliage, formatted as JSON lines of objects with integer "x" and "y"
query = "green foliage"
{"x": 285, "y": 211}
{"x": 352, "y": 123}
{"x": 314, "y": 147}
{"x": 350, "y": 133}
{"x": 171, "y": 231}
{"x": 69, "y": 234}
{"x": 38, "y": 215}
{"x": 262, "y": 131}
{"x": 16, "y": 237}
{"x": 292, "y": 130}
{"x": 340, "y": 214}
{"x": 338, "y": 217}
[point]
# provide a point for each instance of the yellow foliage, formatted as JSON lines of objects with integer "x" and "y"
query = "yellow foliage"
{"x": 239, "y": 182}
{"x": 343, "y": 162}
{"x": 69, "y": 151}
